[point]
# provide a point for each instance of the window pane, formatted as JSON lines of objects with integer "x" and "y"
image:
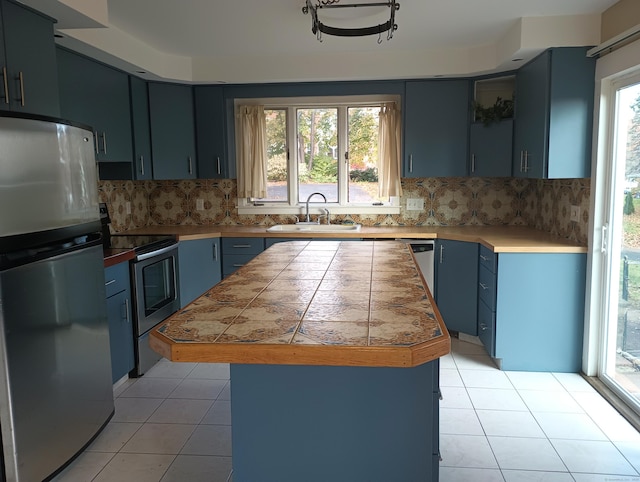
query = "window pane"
{"x": 363, "y": 154}
{"x": 277, "y": 169}
{"x": 317, "y": 158}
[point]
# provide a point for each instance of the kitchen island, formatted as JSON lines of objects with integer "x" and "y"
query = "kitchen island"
{"x": 334, "y": 350}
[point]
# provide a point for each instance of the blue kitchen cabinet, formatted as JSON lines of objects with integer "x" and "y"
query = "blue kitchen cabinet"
{"x": 456, "y": 275}
{"x": 236, "y": 252}
{"x": 141, "y": 129}
{"x": 28, "y": 59}
{"x": 173, "y": 144}
{"x": 554, "y": 115}
{"x": 211, "y": 133}
{"x": 97, "y": 95}
{"x": 491, "y": 148}
{"x": 119, "y": 316}
{"x": 435, "y": 128}
{"x": 531, "y": 309}
{"x": 200, "y": 267}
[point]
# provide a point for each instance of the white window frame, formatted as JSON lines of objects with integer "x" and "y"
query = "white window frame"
{"x": 296, "y": 206}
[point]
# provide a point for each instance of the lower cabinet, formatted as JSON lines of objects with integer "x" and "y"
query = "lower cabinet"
{"x": 532, "y": 317}
{"x": 236, "y": 252}
{"x": 199, "y": 267}
{"x": 120, "y": 322}
{"x": 456, "y": 288}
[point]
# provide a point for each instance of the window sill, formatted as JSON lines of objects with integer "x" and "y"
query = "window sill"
{"x": 300, "y": 210}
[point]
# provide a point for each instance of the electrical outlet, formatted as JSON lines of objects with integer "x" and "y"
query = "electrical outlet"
{"x": 574, "y": 214}
{"x": 127, "y": 207}
{"x": 199, "y": 204}
{"x": 415, "y": 204}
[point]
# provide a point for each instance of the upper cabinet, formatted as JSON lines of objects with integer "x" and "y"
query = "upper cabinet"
{"x": 141, "y": 129}
{"x": 97, "y": 95}
{"x": 173, "y": 144}
{"x": 554, "y": 114}
{"x": 491, "y": 129}
{"x": 211, "y": 133}
{"x": 28, "y": 61}
{"x": 435, "y": 128}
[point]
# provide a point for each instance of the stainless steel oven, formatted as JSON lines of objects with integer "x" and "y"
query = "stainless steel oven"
{"x": 154, "y": 281}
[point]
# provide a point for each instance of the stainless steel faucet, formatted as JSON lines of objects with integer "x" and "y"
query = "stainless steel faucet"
{"x": 307, "y": 219}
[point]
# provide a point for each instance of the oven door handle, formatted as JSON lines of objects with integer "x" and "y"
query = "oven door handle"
{"x": 157, "y": 252}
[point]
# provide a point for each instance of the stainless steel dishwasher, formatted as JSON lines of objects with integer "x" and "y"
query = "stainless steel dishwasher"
{"x": 423, "y": 251}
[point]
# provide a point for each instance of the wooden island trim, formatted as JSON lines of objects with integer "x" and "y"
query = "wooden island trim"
{"x": 325, "y": 355}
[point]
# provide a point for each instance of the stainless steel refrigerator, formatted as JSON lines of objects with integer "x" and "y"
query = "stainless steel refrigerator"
{"x": 55, "y": 367}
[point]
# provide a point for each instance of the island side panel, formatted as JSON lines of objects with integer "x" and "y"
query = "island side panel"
{"x": 316, "y": 423}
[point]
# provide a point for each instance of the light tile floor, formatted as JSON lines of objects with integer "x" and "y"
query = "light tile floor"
{"x": 174, "y": 424}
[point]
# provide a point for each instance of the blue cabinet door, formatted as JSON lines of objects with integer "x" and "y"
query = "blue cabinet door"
{"x": 200, "y": 267}
{"x": 29, "y": 56}
{"x": 173, "y": 144}
{"x": 457, "y": 284}
{"x": 211, "y": 132}
{"x": 119, "y": 315}
{"x": 97, "y": 95}
{"x": 141, "y": 129}
{"x": 435, "y": 128}
{"x": 554, "y": 114}
{"x": 491, "y": 148}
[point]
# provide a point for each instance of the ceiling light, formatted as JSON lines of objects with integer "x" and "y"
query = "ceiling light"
{"x": 319, "y": 28}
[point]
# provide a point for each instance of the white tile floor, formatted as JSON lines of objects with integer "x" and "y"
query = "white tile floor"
{"x": 174, "y": 424}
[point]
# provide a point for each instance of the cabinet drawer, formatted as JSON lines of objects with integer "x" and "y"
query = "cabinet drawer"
{"x": 487, "y": 327}
{"x": 488, "y": 259}
{"x": 116, "y": 278}
{"x": 487, "y": 287}
{"x": 242, "y": 246}
{"x": 231, "y": 262}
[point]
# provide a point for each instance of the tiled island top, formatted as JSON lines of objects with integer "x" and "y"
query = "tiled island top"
{"x": 338, "y": 303}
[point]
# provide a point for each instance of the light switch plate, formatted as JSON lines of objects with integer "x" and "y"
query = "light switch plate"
{"x": 574, "y": 214}
{"x": 415, "y": 204}
{"x": 199, "y": 204}
{"x": 127, "y": 207}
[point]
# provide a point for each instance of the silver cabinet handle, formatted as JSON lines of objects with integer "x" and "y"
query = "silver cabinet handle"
{"x": 126, "y": 310}
{"x": 110, "y": 282}
{"x": 215, "y": 251}
{"x": 6, "y": 85}
{"x": 141, "y": 165}
{"x": 473, "y": 163}
{"x": 21, "y": 79}
{"x": 484, "y": 258}
{"x": 484, "y": 287}
{"x": 521, "y": 161}
{"x": 236, "y": 265}
{"x": 483, "y": 327}
{"x": 190, "y": 166}
{"x": 410, "y": 162}
{"x": 218, "y": 163}
{"x": 526, "y": 161}
{"x": 104, "y": 142}
{"x": 440, "y": 394}
{"x": 241, "y": 246}
{"x": 441, "y": 254}
{"x": 95, "y": 138}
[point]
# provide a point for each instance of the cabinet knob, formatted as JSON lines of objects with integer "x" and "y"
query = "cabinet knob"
{"x": 483, "y": 326}
{"x": 484, "y": 287}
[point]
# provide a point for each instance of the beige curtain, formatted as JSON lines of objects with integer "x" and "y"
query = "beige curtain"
{"x": 252, "y": 152}
{"x": 389, "y": 167}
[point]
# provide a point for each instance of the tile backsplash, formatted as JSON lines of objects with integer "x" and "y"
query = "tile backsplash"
{"x": 544, "y": 204}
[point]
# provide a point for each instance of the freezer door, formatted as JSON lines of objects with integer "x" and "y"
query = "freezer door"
{"x": 49, "y": 178}
{"x": 55, "y": 366}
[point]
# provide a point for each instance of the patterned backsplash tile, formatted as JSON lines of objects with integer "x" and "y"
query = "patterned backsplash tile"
{"x": 453, "y": 201}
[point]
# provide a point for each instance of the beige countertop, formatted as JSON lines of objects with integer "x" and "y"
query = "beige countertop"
{"x": 500, "y": 239}
{"x": 335, "y": 303}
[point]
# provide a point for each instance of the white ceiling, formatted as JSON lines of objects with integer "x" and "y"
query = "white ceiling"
{"x": 271, "y": 40}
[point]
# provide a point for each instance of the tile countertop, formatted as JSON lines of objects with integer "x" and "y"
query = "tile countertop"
{"x": 313, "y": 303}
{"x": 500, "y": 239}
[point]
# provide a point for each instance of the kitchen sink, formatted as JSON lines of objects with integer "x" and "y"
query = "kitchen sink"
{"x": 314, "y": 228}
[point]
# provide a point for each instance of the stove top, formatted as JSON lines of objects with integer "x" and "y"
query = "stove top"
{"x": 140, "y": 244}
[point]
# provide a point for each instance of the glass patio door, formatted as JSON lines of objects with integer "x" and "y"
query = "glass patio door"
{"x": 620, "y": 350}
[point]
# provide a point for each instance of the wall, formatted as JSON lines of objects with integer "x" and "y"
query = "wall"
{"x": 618, "y": 18}
{"x": 459, "y": 201}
